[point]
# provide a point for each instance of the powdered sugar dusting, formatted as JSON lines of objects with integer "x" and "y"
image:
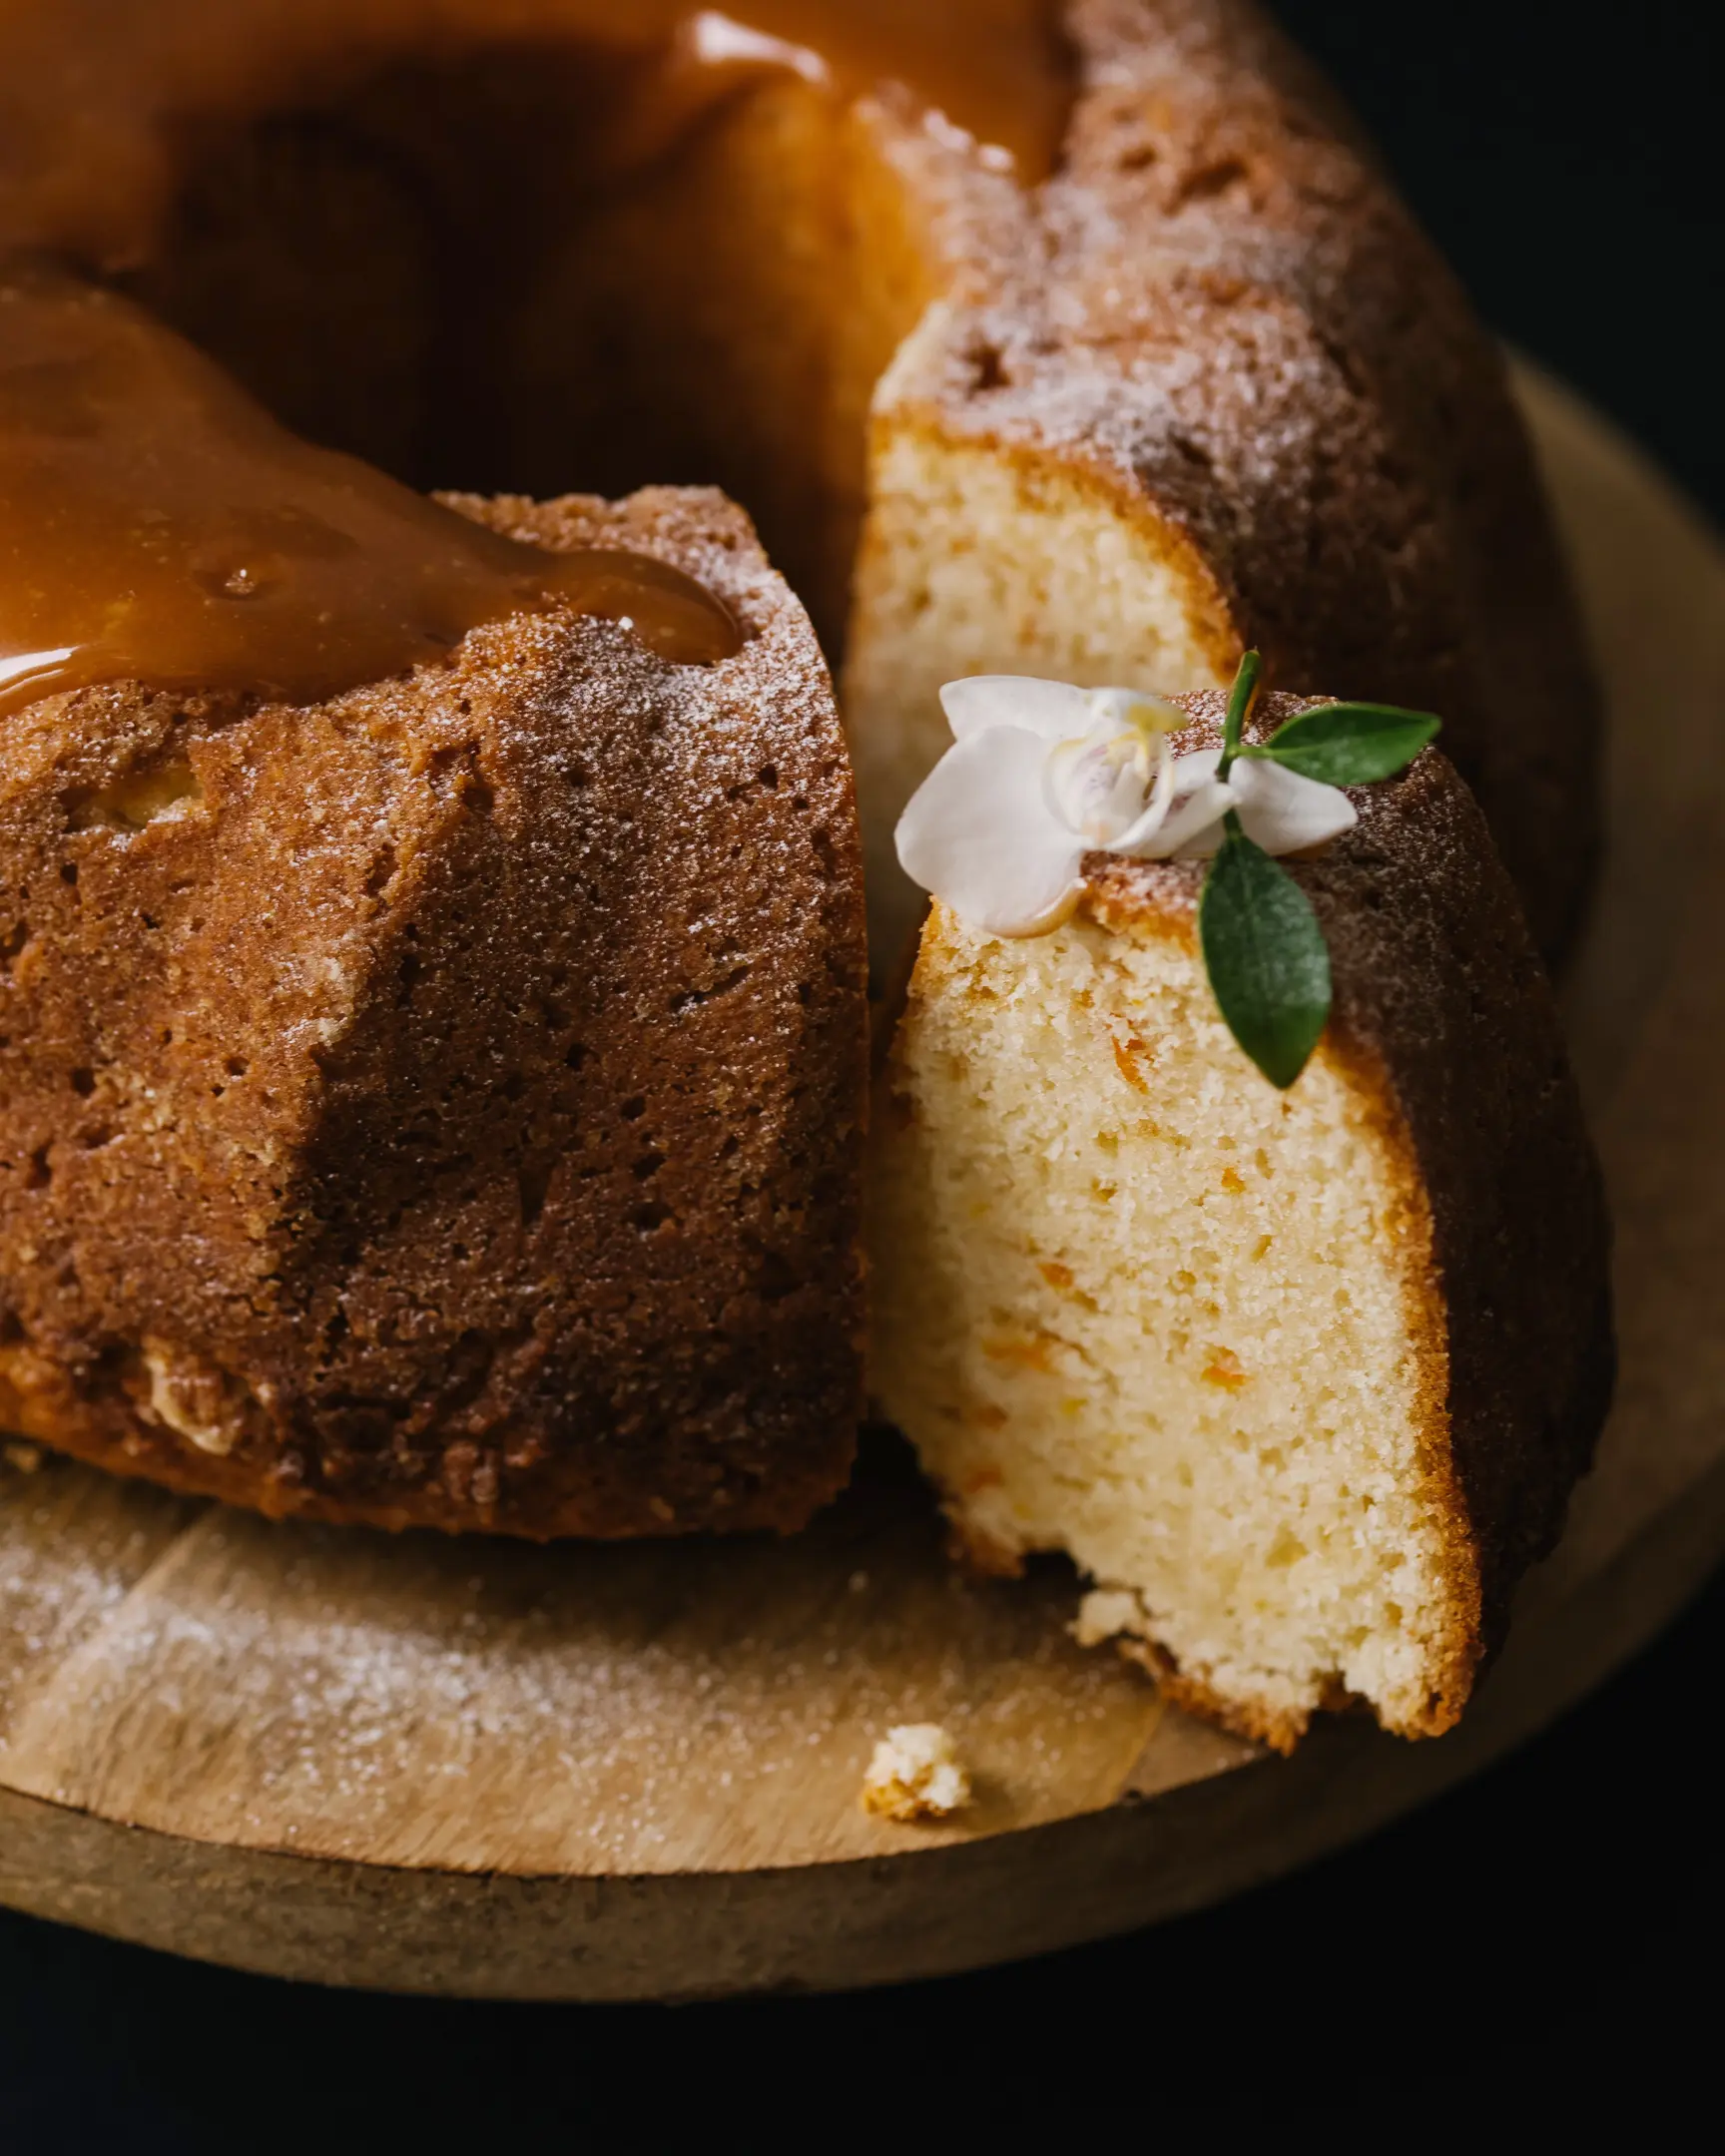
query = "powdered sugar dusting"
{"x": 577, "y": 1709}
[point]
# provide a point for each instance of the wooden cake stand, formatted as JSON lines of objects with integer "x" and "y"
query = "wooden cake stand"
{"x": 630, "y": 1773}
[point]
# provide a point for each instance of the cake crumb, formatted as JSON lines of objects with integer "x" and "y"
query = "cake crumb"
{"x": 25, "y": 1458}
{"x": 1104, "y": 1614}
{"x": 915, "y": 1773}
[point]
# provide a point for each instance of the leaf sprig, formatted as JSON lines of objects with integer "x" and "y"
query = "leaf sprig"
{"x": 1348, "y": 744}
{"x": 1263, "y": 950}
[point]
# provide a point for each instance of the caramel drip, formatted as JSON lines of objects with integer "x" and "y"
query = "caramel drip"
{"x": 156, "y": 524}
{"x": 98, "y": 99}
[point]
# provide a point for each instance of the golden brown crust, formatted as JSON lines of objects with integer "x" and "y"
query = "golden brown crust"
{"x": 1454, "y": 1647}
{"x": 1255, "y": 1720}
{"x": 1442, "y": 1012}
{"x": 448, "y": 1110}
{"x": 1219, "y": 310}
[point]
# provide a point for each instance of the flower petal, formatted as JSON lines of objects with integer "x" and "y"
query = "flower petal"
{"x": 1139, "y": 834}
{"x": 1284, "y": 812}
{"x": 979, "y": 836}
{"x": 1193, "y": 824}
{"x": 1194, "y": 830}
{"x": 1051, "y": 710}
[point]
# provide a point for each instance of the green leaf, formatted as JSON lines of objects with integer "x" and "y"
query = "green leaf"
{"x": 1268, "y": 963}
{"x": 1349, "y": 744}
{"x": 1239, "y": 704}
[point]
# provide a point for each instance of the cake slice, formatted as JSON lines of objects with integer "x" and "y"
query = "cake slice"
{"x": 442, "y": 1104}
{"x": 1300, "y": 1378}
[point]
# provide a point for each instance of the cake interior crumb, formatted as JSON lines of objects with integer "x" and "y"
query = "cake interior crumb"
{"x": 1133, "y": 1305}
{"x": 915, "y": 1773}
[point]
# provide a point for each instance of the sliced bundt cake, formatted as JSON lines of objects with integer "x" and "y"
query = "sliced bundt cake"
{"x": 1299, "y": 1373}
{"x": 432, "y": 1051}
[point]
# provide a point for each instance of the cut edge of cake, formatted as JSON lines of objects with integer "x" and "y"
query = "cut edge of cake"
{"x": 983, "y": 556}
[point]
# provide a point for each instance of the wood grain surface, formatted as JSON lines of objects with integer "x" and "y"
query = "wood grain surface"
{"x": 608, "y": 1772}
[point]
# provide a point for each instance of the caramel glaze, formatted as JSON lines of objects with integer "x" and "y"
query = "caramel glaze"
{"x": 98, "y": 99}
{"x": 155, "y": 523}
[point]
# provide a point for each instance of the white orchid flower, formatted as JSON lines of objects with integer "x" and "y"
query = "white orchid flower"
{"x": 1041, "y": 773}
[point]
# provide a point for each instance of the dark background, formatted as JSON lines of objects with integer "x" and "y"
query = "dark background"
{"x": 1542, "y": 1943}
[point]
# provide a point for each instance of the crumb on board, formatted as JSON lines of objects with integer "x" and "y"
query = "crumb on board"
{"x": 915, "y": 1773}
{"x": 25, "y": 1458}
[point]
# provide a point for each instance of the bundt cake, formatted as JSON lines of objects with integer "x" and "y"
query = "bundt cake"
{"x": 433, "y": 1004}
{"x": 1302, "y": 1377}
